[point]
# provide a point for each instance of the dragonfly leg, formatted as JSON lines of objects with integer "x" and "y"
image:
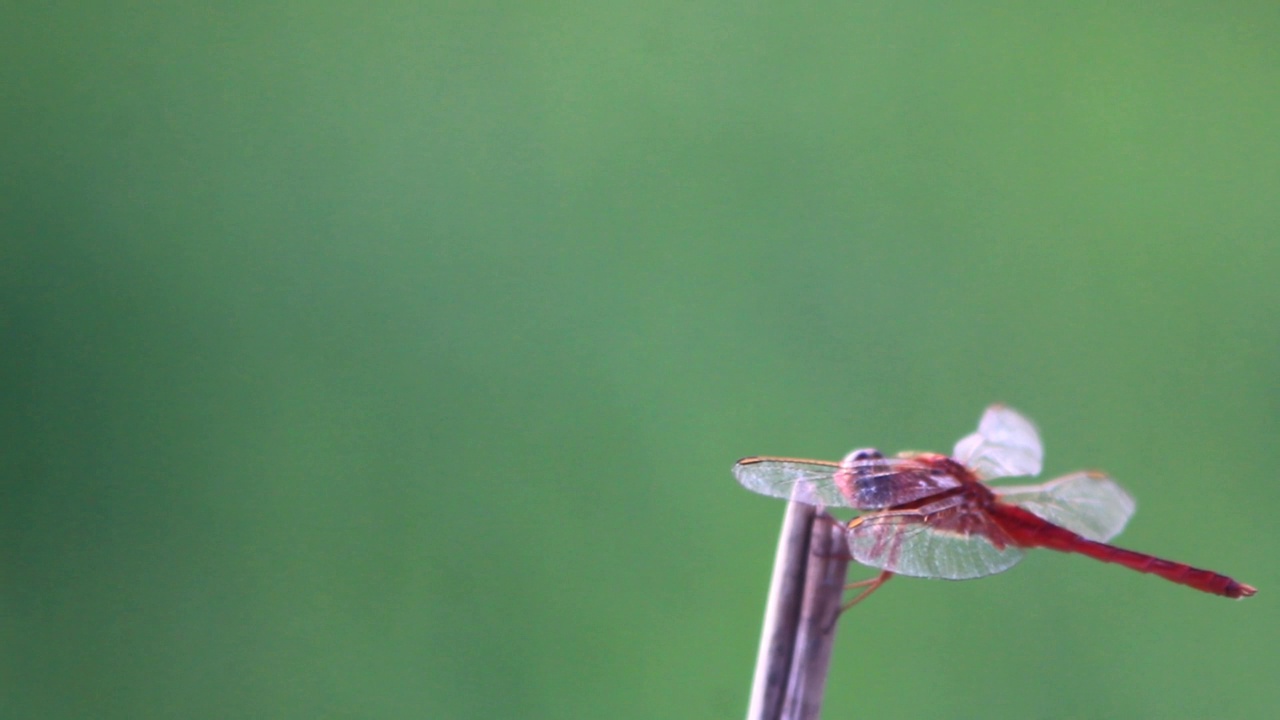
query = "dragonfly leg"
{"x": 869, "y": 586}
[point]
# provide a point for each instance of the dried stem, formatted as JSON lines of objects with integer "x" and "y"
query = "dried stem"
{"x": 809, "y": 574}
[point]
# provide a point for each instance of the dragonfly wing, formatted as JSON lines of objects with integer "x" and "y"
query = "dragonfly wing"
{"x": 1006, "y": 445}
{"x": 865, "y": 484}
{"x": 935, "y": 541}
{"x": 806, "y": 481}
{"x": 1089, "y": 504}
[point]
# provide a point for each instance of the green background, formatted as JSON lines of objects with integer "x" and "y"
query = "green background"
{"x": 387, "y": 360}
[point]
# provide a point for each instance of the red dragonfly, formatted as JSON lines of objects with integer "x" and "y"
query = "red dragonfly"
{"x": 932, "y": 516}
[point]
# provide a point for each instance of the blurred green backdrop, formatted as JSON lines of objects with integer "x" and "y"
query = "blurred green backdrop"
{"x": 387, "y": 360}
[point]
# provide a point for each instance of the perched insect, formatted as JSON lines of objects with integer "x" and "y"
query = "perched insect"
{"x": 932, "y": 516}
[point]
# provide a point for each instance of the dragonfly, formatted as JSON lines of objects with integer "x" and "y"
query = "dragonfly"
{"x": 934, "y": 516}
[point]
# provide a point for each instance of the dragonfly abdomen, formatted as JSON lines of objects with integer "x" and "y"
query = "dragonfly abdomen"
{"x": 1029, "y": 530}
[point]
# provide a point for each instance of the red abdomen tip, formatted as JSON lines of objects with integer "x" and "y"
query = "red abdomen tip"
{"x": 1240, "y": 590}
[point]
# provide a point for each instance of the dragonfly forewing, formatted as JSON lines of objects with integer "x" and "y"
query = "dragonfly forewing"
{"x": 869, "y": 484}
{"x": 1005, "y": 445}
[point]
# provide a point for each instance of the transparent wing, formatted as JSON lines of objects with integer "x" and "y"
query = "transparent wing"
{"x": 807, "y": 481}
{"x": 868, "y": 484}
{"x": 1006, "y": 445}
{"x": 943, "y": 540}
{"x": 1089, "y": 504}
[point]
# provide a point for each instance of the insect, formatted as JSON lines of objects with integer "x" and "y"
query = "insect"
{"x": 932, "y": 516}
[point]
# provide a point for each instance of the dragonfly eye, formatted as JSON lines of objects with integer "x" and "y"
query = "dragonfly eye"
{"x": 863, "y": 454}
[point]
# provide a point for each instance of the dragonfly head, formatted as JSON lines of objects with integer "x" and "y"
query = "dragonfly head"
{"x": 862, "y": 454}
